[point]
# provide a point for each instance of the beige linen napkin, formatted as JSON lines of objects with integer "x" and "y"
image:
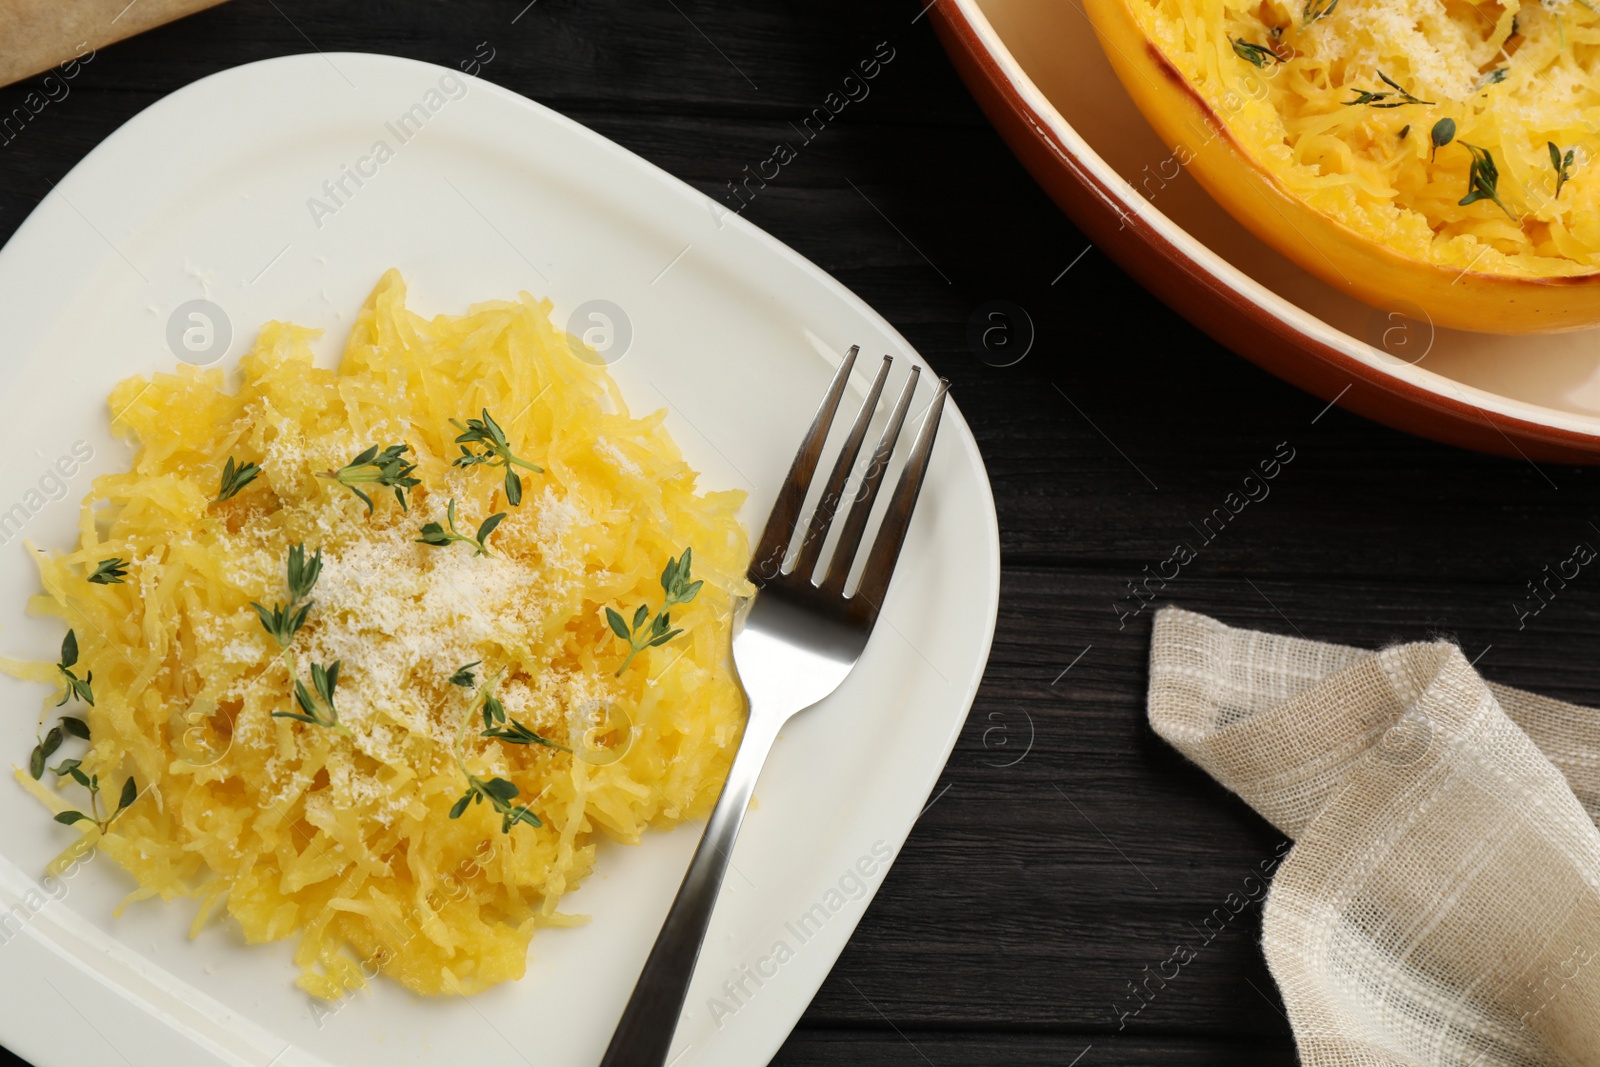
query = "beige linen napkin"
{"x": 1441, "y": 903}
{"x": 40, "y": 34}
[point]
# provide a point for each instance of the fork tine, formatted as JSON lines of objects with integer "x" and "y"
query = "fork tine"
{"x": 767, "y": 562}
{"x": 833, "y": 489}
{"x": 897, "y": 519}
{"x": 855, "y": 523}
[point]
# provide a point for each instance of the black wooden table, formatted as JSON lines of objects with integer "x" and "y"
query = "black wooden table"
{"x": 1066, "y": 849}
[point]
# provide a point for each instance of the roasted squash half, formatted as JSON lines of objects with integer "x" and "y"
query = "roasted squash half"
{"x": 1437, "y": 153}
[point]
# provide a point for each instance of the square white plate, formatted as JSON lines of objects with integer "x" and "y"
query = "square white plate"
{"x": 213, "y": 193}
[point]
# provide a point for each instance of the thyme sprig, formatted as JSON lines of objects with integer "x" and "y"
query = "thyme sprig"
{"x": 319, "y": 711}
{"x": 519, "y": 734}
{"x": 234, "y": 478}
{"x": 498, "y": 792}
{"x": 640, "y": 634}
{"x": 91, "y": 782}
{"x": 464, "y": 676}
{"x": 109, "y": 571}
{"x": 1483, "y": 180}
{"x": 1400, "y": 97}
{"x": 1562, "y": 165}
{"x": 82, "y": 688}
{"x": 497, "y": 726}
{"x": 496, "y": 452}
{"x": 1493, "y": 77}
{"x": 1315, "y": 10}
{"x": 388, "y": 468}
{"x": 285, "y": 620}
{"x": 439, "y": 537}
{"x": 1255, "y": 54}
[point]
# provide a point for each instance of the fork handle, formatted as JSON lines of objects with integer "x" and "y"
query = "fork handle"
{"x": 644, "y": 1036}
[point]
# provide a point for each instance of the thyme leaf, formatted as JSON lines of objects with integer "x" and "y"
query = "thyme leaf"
{"x": 302, "y": 574}
{"x": 1254, "y": 54}
{"x": 1493, "y": 77}
{"x": 1562, "y": 165}
{"x": 1444, "y": 131}
{"x": 109, "y": 571}
{"x": 1315, "y": 10}
{"x": 42, "y": 751}
{"x": 76, "y": 687}
{"x": 235, "y": 478}
{"x": 1483, "y": 180}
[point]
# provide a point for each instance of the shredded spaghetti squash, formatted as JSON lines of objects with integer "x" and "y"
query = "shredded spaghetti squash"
{"x": 358, "y": 838}
{"x": 1382, "y": 114}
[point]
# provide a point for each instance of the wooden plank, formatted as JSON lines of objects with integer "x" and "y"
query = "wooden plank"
{"x": 918, "y": 1048}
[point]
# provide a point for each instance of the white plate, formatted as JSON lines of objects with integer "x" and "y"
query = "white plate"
{"x": 205, "y": 195}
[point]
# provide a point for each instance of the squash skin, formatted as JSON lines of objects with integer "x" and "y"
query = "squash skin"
{"x": 1323, "y": 246}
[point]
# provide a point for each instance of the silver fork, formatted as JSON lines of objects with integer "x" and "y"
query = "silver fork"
{"x": 800, "y": 637}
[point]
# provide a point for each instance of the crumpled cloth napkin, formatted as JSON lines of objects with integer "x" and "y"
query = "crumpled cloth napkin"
{"x": 1441, "y": 902}
{"x": 40, "y": 34}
